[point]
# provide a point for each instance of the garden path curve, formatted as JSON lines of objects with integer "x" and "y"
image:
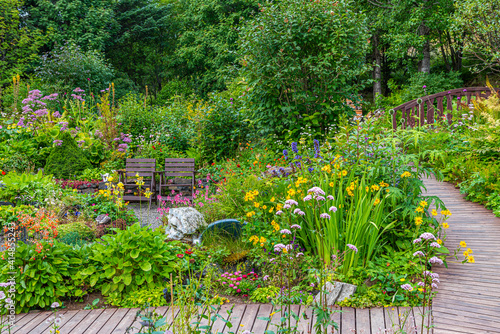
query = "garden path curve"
{"x": 469, "y": 294}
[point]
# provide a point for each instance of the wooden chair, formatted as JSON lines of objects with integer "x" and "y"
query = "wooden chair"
{"x": 144, "y": 168}
{"x": 184, "y": 168}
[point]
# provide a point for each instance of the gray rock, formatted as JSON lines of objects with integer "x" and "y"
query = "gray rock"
{"x": 102, "y": 219}
{"x": 347, "y": 291}
{"x": 183, "y": 223}
{"x": 336, "y": 292}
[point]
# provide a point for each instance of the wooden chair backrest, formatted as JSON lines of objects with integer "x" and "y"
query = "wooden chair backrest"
{"x": 179, "y": 167}
{"x": 143, "y": 167}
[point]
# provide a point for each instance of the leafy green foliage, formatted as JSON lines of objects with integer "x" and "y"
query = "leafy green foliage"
{"x": 206, "y": 44}
{"x": 87, "y": 23}
{"x": 66, "y": 160}
{"x": 479, "y": 22}
{"x": 302, "y": 61}
{"x": 152, "y": 297}
{"x": 18, "y": 44}
{"x": 25, "y": 188}
{"x": 132, "y": 258}
{"x": 68, "y": 67}
{"x": 45, "y": 276}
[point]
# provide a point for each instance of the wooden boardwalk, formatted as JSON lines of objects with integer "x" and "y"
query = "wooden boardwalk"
{"x": 469, "y": 294}
{"x": 244, "y": 317}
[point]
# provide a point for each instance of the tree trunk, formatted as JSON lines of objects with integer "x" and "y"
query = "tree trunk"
{"x": 425, "y": 65}
{"x": 377, "y": 68}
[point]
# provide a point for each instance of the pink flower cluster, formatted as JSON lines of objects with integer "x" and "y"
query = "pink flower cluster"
{"x": 233, "y": 280}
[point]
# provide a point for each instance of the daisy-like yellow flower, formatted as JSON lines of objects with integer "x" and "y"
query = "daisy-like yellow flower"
{"x": 272, "y": 199}
{"x": 331, "y": 184}
{"x": 264, "y": 207}
{"x": 402, "y": 280}
{"x": 463, "y": 244}
{"x": 271, "y": 210}
{"x": 423, "y": 204}
{"x": 406, "y": 174}
{"x": 471, "y": 259}
{"x": 466, "y": 254}
{"x": 344, "y": 173}
{"x": 439, "y": 241}
{"x": 377, "y": 201}
{"x": 445, "y": 225}
{"x": 434, "y": 212}
{"x": 419, "y": 209}
{"x": 469, "y": 251}
{"x": 418, "y": 221}
{"x": 256, "y": 204}
{"x": 446, "y": 212}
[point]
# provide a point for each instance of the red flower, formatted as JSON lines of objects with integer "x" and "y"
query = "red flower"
{"x": 189, "y": 252}
{"x": 238, "y": 165}
{"x": 191, "y": 261}
{"x": 213, "y": 163}
{"x": 3, "y": 173}
{"x": 180, "y": 256}
{"x": 174, "y": 137}
{"x": 154, "y": 148}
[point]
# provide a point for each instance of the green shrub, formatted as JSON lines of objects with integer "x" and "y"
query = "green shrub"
{"x": 303, "y": 60}
{"x": 82, "y": 231}
{"x": 134, "y": 258}
{"x": 67, "y": 160}
{"x": 27, "y": 188}
{"x": 153, "y": 297}
{"x": 43, "y": 276}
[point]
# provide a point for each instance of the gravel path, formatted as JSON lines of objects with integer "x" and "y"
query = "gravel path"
{"x": 147, "y": 217}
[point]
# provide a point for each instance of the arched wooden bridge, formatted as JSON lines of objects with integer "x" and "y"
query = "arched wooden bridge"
{"x": 430, "y": 108}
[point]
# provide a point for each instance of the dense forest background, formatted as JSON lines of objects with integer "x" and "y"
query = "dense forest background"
{"x": 382, "y": 52}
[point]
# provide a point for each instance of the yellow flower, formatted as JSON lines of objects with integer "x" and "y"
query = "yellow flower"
{"x": 434, "y": 212}
{"x": 420, "y": 289}
{"x": 423, "y": 204}
{"x": 419, "y": 209}
{"x": 466, "y": 254}
{"x": 262, "y": 239}
{"x": 344, "y": 173}
{"x": 272, "y": 314}
{"x": 418, "y": 221}
{"x": 110, "y": 179}
{"x": 271, "y": 210}
{"x": 445, "y": 225}
{"x": 256, "y": 204}
{"x": 375, "y": 187}
{"x": 463, "y": 244}
{"x": 264, "y": 207}
{"x": 439, "y": 241}
{"x": 469, "y": 251}
{"x": 377, "y": 201}
{"x": 446, "y": 212}
{"x": 331, "y": 184}
{"x": 402, "y": 280}
{"x": 471, "y": 259}
{"x": 272, "y": 199}
{"x": 406, "y": 174}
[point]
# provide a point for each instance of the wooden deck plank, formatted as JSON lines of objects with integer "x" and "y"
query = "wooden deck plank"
{"x": 219, "y": 324}
{"x": 18, "y": 324}
{"x": 125, "y": 322}
{"x": 377, "y": 320}
{"x": 100, "y": 321}
{"x": 260, "y": 326}
{"x": 45, "y": 327}
{"x": 249, "y": 317}
{"x": 88, "y": 318}
{"x": 363, "y": 321}
{"x": 235, "y": 318}
{"x": 392, "y": 318}
{"x": 66, "y": 318}
{"x": 306, "y": 321}
{"x": 33, "y": 323}
{"x": 348, "y": 323}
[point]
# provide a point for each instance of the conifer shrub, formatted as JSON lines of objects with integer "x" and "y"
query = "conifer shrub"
{"x": 67, "y": 160}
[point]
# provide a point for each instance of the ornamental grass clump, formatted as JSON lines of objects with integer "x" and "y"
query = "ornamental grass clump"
{"x": 340, "y": 215}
